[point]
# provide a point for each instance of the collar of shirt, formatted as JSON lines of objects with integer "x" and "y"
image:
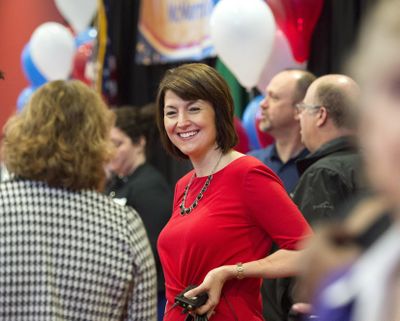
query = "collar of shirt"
{"x": 273, "y": 155}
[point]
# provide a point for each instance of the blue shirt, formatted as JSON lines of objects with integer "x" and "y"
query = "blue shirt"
{"x": 287, "y": 172}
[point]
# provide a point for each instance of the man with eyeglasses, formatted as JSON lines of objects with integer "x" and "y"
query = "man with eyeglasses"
{"x": 329, "y": 174}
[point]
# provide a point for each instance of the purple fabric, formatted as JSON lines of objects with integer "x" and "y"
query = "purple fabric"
{"x": 323, "y": 310}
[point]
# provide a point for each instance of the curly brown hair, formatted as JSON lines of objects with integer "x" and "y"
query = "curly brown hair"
{"x": 61, "y": 137}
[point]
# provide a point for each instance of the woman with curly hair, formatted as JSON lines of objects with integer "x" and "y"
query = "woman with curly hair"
{"x": 68, "y": 252}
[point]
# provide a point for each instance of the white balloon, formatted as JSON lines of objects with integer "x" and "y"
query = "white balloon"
{"x": 280, "y": 58}
{"x": 242, "y": 32}
{"x": 79, "y": 13}
{"x": 52, "y": 48}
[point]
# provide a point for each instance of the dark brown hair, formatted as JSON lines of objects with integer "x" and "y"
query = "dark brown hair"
{"x": 137, "y": 122}
{"x": 192, "y": 82}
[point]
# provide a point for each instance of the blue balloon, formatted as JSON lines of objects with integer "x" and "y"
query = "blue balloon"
{"x": 30, "y": 70}
{"x": 24, "y": 97}
{"x": 249, "y": 121}
{"x": 85, "y": 36}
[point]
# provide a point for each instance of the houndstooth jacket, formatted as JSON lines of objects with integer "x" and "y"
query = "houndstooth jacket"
{"x": 68, "y": 255}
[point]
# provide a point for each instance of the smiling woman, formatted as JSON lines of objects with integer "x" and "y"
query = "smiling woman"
{"x": 228, "y": 199}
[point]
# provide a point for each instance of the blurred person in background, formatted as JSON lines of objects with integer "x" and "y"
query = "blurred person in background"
{"x": 68, "y": 252}
{"x": 368, "y": 288}
{"x": 135, "y": 182}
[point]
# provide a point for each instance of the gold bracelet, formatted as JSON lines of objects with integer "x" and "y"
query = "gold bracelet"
{"x": 239, "y": 271}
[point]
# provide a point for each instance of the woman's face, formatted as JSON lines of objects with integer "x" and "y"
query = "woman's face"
{"x": 190, "y": 125}
{"x": 127, "y": 153}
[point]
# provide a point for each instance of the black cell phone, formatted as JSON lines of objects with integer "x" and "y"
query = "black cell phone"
{"x": 191, "y": 303}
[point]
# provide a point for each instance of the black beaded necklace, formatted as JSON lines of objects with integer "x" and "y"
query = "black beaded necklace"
{"x": 188, "y": 210}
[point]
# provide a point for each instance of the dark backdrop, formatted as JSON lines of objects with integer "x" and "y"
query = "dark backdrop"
{"x": 335, "y": 34}
{"x": 333, "y": 39}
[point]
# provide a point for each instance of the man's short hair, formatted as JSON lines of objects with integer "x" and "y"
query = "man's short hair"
{"x": 302, "y": 85}
{"x": 339, "y": 105}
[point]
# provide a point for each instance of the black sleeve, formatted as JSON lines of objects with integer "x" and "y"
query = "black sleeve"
{"x": 319, "y": 193}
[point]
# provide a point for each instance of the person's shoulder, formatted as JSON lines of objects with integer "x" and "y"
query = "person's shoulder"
{"x": 108, "y": 205}
{"x": 248, "y": 164}
{"x": 252, "y": 172}
{"x": 104, "y": 208}
{"x": 149, "y": 169}
{"x": 152, "y": 175}
{"x": 337, "y": 163}
{"x": 124, "y": 221}
{"x": 184, "y": 180}
{"x": 321, "y": 168}
{"x": 261, "y": 153}
{"x": 244, "y": 162}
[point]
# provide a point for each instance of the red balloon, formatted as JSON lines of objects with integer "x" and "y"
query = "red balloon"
{"x": 297, "y": 19}
{"x": 82, "y": 57}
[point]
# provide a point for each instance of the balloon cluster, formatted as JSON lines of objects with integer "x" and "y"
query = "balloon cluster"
{"x": 256, "y": 39}
{"x": 242, "y": 34}
{"x": 53, "y": 52}
{"x": 297, "y": 20}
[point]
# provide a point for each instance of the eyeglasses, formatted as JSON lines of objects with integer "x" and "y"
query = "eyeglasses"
{"x": 303, "y": 106}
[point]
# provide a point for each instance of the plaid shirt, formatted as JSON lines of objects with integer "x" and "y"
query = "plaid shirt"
{"x": 68, "y": 255}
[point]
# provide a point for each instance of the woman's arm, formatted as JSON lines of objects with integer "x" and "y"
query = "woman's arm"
{"x": 269, "y": 207}
{"x": 282, "y": 263}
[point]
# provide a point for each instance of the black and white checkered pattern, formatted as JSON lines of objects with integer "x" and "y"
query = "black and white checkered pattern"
{"x": 72, "y": 256}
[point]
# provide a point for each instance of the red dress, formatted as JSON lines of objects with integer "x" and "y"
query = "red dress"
{"x": 243, "y": 210}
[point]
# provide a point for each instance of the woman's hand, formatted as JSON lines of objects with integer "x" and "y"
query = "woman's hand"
{"x": 212, "y": 285}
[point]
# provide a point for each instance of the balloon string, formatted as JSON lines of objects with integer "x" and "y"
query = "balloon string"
{"x": 102, "y": 43}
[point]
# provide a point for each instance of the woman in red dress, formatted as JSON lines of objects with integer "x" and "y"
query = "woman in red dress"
{"x": 227, "y": 211}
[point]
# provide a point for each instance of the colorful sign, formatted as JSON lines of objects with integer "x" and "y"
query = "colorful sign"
{"x": 174, "y": 30}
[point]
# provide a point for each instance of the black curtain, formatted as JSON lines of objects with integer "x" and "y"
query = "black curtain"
{"x": 137, "y": 84}
{"x": 335, "y": 35}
